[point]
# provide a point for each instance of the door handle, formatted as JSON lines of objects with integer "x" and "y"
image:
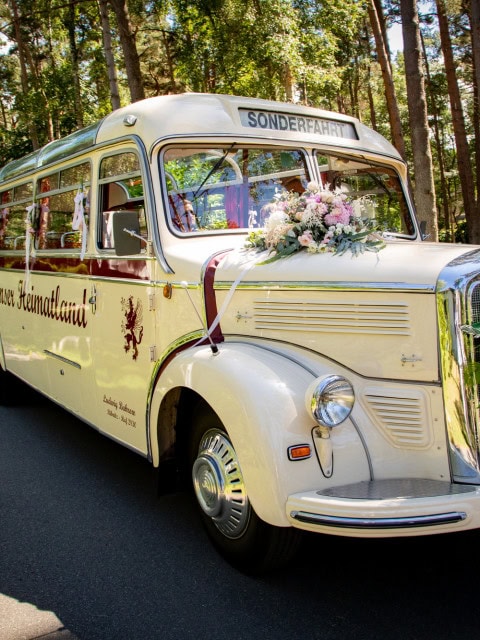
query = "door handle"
{"x": 92, "y": 301}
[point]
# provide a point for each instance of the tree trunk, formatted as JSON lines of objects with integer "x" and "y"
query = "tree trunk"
{"x": 109, "y": 59}
{"x": 289, "y": 82}
{"x": 170, "y": 64}
{"x": 371, "y": 102}
{"x": 354, "y": 89}
{"x": 32, "y": 129}
{"x": 424, "y": 188}
{"x": 448, "y": 219}
{"x": 390, "y": 95}
{"x": 383, "y": 27}
{"x": 458, "y": 121}
{"x": 475, "y": 24}
{"x": 129, "y": 48}
{"x": 475, "y": 31}
{"x": 77, "y": 99}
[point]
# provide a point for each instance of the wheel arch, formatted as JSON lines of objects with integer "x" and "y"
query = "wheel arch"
{"x": 260, "y": 404}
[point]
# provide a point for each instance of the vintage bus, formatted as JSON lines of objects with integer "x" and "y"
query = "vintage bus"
{"x": 238, "y": 290}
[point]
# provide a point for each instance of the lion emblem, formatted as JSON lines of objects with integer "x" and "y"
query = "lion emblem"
{"x": 132, "y": 327}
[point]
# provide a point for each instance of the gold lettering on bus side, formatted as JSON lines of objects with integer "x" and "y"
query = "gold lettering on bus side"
{"x": 52, "y": 306}
{"x": 113, "y": 406}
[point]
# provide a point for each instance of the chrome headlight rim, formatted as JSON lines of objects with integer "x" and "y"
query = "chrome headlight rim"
{"x": 330, "y": 399}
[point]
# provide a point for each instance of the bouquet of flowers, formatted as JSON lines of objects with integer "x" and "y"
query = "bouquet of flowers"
{"x": 318, "y": 221}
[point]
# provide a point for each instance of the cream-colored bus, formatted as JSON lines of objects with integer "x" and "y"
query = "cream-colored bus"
{"x": 238, "y": 290}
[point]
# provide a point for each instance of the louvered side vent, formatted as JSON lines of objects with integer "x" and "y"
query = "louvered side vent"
{"x": 402, "y": 419}
{"x": 328, "y": 317}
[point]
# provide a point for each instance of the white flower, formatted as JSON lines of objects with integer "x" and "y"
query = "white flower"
{"x": 276, "y": 218}
{"x": 327, "y": 197}
{"x": 275, "y": 235}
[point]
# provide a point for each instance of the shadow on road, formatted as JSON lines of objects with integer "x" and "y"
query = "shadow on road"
{"x": 84, "y": 536}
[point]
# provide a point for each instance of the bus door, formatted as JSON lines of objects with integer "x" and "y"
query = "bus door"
{"x": 123, "y": 315}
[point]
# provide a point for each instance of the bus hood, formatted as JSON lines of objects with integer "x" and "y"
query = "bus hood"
{"x": 413, "y": 264}
{"x": 376, "y": 313}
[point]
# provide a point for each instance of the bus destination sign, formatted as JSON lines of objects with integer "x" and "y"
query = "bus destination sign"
{"x": 297, "y": 124}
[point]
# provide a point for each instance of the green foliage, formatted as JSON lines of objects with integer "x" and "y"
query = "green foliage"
{"x": 14, "y": 143}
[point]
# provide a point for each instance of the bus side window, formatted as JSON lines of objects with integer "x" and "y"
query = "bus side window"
{"x": 13, "y": 215}
{"x": 56, "y": 194}
{"x": 121, "y": 189}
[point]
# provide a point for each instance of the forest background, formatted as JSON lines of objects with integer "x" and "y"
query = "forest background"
{"x": 66, "y": 63}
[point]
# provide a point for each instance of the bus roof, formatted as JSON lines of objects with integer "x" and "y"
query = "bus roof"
{"x": 193, "y": 114}
{"x": 55, "y": 150}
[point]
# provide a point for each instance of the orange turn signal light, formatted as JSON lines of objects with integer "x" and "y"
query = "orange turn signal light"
{"x": 299, "y": 452}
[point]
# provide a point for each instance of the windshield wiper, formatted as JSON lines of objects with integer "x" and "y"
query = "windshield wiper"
{"x": 213, "y": 169}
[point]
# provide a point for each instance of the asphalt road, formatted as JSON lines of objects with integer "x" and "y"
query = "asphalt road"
{"x": 86, "y": 545}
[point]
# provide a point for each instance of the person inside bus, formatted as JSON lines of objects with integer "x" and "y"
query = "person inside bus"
{"x": 182, "y": 213}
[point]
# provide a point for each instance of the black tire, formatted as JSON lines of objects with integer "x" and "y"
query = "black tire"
{"x": 9, "y": 389}
{"x": 240, "y": 536}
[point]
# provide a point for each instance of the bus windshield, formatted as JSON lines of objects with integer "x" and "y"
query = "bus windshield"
{"x": 228, "y": 188}
{"x": 233, "y": 187}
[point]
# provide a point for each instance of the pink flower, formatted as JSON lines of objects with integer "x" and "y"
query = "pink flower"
{"x": 340, "y": 214}
{"x": 306, "y": 238}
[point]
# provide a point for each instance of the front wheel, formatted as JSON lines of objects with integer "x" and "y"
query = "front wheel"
{"x": 10, "y": 388}
{"x": 248, "y": 543}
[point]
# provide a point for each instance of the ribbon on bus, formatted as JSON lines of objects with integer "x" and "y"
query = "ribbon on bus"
{"x": 209, "y": 330}
{"x": 29, "y": 246}
{"x": 79, "y": 222}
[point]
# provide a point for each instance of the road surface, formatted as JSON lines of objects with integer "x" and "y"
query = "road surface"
{"x": 88, "y": 551}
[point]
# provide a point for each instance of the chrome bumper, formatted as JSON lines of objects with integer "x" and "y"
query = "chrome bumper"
{"x": 387, "y": 508}
{"x": 378, "y": 523}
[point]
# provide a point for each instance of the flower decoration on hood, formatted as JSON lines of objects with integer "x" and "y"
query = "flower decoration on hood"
{"x": 318, "y": 221}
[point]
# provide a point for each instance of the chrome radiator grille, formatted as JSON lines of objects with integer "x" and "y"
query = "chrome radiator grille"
{"x": 475, "y": 349}
{"x": 475, "y": 305}
{"x": 466, "y": 447}
{"x": 458, "y": 307}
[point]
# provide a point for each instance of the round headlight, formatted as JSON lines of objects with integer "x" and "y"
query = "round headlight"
{"x": 330, "y": 400}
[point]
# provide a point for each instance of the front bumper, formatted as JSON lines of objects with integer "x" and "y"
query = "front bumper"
{"x": 387, "y": 508}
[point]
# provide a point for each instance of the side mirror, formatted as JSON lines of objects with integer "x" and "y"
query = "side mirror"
{"x": 126, "y": 233}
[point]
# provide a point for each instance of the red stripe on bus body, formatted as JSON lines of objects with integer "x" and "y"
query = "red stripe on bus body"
{"x": 121, "y": 268}
{"x": 98, "y": 267}
{"x": 210, "y": 297}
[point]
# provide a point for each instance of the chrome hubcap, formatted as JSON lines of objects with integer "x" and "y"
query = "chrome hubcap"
{"x": 219, "y": 486}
